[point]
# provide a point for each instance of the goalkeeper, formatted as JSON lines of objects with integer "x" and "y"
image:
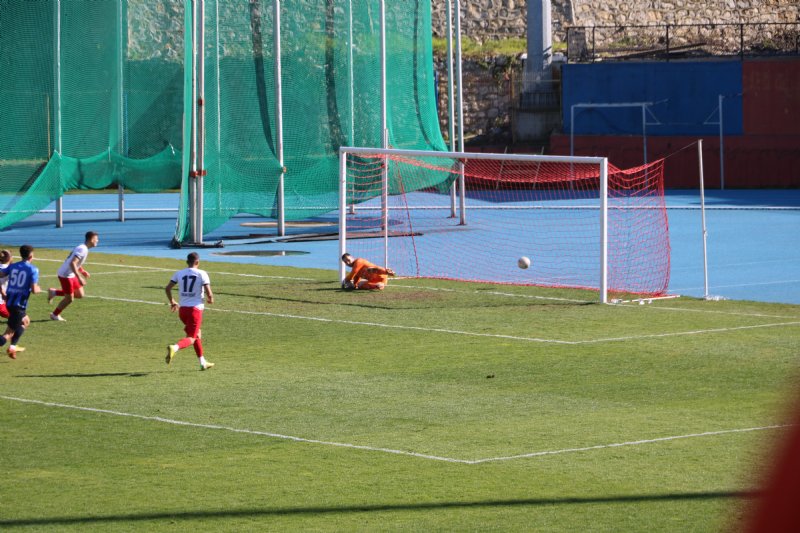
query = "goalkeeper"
{"x": 365, "y": 275}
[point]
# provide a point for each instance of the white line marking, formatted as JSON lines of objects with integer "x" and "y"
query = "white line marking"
{"x": 680, "y": 333}
{"x": 356, "y": 323}
{"x": 234, "y": 430}
{"x": 159, "y": 269}
{"x": 630, "y": 443}
{"x": 461, "y": 332}
{"x": 386, "y": 450}
{"x": 496, "y": 293}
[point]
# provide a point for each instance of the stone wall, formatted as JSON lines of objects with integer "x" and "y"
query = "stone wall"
{"x": 491, "y": 19}
{"x": 488, "y": 87}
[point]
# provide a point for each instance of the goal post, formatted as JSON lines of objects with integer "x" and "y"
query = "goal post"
{"x": 582, "y": 222}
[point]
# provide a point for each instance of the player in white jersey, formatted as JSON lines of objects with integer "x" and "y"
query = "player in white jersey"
{"x": 5, "y": 260}
{"x": 72, "y": 276}
{"x": 193, "y": 285}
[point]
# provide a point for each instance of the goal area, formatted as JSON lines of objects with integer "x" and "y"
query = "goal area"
{"x": 470, "y": 216}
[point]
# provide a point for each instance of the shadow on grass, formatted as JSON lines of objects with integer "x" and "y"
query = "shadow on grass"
{"x": 99, "y": 375}
{"x": 304, "y": 511}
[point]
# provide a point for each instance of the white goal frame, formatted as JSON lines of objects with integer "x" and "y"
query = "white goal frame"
{"x": 600, "y": 162}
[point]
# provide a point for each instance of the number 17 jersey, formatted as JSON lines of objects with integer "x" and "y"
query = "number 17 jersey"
{"x": 190, "y": 283}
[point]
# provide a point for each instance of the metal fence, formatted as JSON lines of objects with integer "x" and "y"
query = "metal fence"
{"x": 677, "y": 41}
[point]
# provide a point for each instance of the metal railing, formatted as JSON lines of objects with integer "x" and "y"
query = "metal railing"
{"x": 678, "y": 41}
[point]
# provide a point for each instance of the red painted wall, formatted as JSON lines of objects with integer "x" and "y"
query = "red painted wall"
{"x": 771, "y": 97}
{"x": 754, "y": 161}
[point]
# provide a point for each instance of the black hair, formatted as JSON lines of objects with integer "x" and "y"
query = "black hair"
{"x": 25, "y": 251}
{"x": 192, "y": 258}
{"x": 89, "y": 235}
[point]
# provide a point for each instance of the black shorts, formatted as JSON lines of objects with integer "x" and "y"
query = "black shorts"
{"x": 15, "y": 316}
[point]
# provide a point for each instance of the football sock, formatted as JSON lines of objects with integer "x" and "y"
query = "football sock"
{"x": 185, "y": 342}
{"x": 198, "y": 347}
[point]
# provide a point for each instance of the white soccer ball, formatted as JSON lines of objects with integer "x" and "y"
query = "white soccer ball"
{"x": 523, "y": 262}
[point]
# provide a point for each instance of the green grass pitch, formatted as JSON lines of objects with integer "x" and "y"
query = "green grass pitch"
{"x": 431, "y": 406}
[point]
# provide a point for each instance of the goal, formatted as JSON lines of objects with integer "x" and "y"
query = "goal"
{"x": 470, "y": 216}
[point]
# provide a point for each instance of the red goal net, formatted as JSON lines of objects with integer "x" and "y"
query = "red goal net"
{"x": 409, "y": 211}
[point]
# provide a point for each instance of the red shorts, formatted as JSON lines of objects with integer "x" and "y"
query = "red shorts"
{"x": 3, "y": 310}
{"x": 70, "y": 285}
{"x": 192, "y": 319}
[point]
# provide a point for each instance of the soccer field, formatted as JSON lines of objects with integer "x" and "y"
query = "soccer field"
{"x": 430, "y": 406}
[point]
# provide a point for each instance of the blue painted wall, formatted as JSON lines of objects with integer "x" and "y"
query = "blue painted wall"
{"x": 685, "y": 97}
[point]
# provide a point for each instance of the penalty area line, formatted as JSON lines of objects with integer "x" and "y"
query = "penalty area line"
{"x": 379, "y": 449}
{"x": 233, "y": 430}
{"x": 629, "y": 443}
{"x": 467, "y": 333}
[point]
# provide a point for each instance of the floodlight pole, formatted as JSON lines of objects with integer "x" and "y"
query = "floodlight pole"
{"x": 279, "y": 119}
{"x": 59, "y": 200}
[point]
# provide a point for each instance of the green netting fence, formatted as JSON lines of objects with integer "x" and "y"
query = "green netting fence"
{"x": 97, "y": 94}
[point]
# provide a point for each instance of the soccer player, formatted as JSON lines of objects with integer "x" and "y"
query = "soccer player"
{"x": 72, "y": 276}
{"x": 5, "y": 261}
{"x": 193, "y": 284}
{"x": 364, "y": 275}
{"x": 23, "y": 279}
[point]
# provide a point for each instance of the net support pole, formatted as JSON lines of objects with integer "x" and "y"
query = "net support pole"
{"x": 703, "y": 217}
{"x": 384, "y": 140}
{"x": 57, "y": 101}
{"x": 604, "y": 231}
{"x": 193, "y": 137}
{"x": 122, "y": 102}
{"x": 198, "y": 121}
{"x": 351, "y": 97}
{"x": 450, "y": 103}
{"x": 459, "y": 83}
{"x": 342, "y": 214}
{"x": 384, "y": 126}
{"x": 279, "y": 119}
{"x": 201, "y": 116}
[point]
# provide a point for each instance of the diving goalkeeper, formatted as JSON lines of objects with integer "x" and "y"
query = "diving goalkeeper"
{"x": 365, "y": 275}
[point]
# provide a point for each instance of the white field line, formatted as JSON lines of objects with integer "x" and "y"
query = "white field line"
{"x": 235, "y": 430}
{"x": 629, "y": 443}
{"x": 466, "y": 333}
{"x": 159, "y": 269}
{"x": 354, "y": 322}
{"x": 380, "y": 449}
{"x": 433, "y": 289}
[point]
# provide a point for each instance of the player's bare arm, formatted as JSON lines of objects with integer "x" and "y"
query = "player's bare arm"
{"x": 76, "y": 269}
{"x": 209, "y": 294}
{"x": 173, "y": 305}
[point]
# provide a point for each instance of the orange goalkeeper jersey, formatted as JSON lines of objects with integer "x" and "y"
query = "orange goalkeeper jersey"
{"x": 363, "y": 269}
